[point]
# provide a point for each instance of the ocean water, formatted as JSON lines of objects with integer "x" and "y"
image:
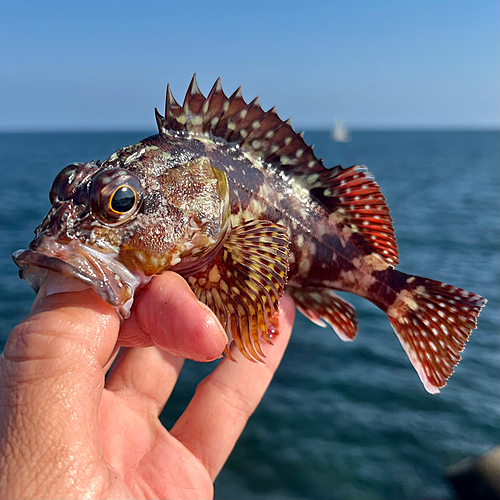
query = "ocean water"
{"x": 340, "y": 420}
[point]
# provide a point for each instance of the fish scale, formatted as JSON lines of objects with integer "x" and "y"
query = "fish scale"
{"x": 233, "y": 199}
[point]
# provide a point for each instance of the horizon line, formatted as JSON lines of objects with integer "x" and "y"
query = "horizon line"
{"x": 368, "y": 128}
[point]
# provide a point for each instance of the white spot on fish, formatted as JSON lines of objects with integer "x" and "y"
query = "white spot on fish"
{"x": 214, "y": 275}
{"x": 197, "y": 120}
{"x": 304, "y": 265}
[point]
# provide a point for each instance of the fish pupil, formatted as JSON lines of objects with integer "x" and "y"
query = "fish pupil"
{"x": 123, "y": 200}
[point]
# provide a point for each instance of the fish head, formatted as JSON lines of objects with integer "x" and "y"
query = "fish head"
{"x": 113, "y": 225}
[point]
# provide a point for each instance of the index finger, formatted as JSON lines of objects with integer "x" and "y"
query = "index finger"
{"x": 169, "y": 316}
{"x": 224, "y": 401}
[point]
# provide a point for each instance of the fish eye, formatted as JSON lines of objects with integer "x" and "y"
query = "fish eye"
{"x": 115, "y": 195}
{"x": 123, "y": 200}
{"x": 62, "y": 187}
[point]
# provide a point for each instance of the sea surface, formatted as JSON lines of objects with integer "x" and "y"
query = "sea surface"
{"x": 340, "y": 420}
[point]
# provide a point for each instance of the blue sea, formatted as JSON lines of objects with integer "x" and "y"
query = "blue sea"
{"x": 340, "y": 420}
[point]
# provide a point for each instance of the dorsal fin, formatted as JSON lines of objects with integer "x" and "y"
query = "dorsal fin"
{"x": 351, "y": 195}
{"x": 262, "y": 133}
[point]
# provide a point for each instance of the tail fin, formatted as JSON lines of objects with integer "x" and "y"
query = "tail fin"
{"x": 433, "y": 321}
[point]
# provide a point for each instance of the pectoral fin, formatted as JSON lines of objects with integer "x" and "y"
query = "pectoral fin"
{"x": 244, "y": 282}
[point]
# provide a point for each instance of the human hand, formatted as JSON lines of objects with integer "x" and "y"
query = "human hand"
{"x": 66, "y": 432}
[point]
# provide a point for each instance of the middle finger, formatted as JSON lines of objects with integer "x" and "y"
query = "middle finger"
{"x": 145, "y": 376}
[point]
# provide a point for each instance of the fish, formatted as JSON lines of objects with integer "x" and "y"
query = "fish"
{"x": 230, "y": 197}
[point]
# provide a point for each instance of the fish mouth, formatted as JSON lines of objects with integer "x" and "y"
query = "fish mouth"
{"x": 108, "y": 277}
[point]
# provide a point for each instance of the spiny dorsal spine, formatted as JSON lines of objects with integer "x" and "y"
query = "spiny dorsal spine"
{"x": 262, "y": 133}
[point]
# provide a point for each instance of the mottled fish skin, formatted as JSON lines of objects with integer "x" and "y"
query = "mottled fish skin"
{"x": 237, "y": 203}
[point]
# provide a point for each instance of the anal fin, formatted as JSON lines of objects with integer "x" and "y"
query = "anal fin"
{"x": 323, "y": 304}
{"x": 244, "y": 283}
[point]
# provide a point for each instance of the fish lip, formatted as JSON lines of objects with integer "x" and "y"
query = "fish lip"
{"x": 112, "y": 281}
{"x": 25, "y": 259}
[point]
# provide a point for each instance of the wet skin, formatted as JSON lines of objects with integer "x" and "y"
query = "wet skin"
{"x": 66, "y": 432}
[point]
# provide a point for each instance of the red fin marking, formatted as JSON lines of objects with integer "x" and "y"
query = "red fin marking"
{"x": 318, "y": 304}
{"x": 433, "y": 322}
{"x": 193, "y": 101}
{"x": 213, "y": 103}
{"x": 237, "y": 122}
{"x": 355, "y": 199}
{"x": 225, "y": 127}
{"x": 259, "y": 137}
{"x": 273, "y": 330}
{"x": 242, "y": 123}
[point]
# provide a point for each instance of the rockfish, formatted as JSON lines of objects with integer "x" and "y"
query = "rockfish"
{"x": 235, "y": 201}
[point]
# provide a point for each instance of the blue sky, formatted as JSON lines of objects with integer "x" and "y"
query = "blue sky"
{"x": 378, "y": 64}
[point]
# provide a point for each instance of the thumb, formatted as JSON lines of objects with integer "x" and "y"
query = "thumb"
{"x": 70, "y": 332}
{"x": 52, "y": 377}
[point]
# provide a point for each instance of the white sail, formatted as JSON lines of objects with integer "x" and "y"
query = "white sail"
{"x": 340, "y": 132}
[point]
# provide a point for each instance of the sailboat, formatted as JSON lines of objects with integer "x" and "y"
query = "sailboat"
{"x": 340, "y": 132}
